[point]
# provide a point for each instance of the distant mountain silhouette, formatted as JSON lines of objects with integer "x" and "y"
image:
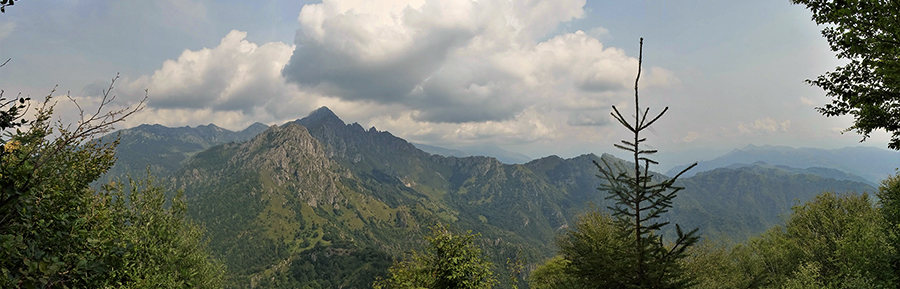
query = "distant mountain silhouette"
{"x": 871, "y": 163}
{"x": 504, "y": 156}
{"x": 162, "y": 149}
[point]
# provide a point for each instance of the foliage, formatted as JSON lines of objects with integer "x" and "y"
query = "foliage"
{"x": 844, "y": 236}
{"x": 736, "y": 204}
{"x": 889, "y": 206}
{"x": 164, "y": 248}
{"x": 867, "y": 34}
{"x": 332, "y": 267}
{"x": 639, "y": 202}
{"x": 12, "y": 110}
{"x": 449, "y": 261}
{"x": 516, "y": 268}
{"x": 552, "y": 275}
{"x": 714, "y": 265}
{"x": 5, "y": 3}
{"x": 57, "y": 232}
{"x": 593, "y": 251}
{"x": 830, "y": 242}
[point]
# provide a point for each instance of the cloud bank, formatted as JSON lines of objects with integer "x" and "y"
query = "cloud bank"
{"x": 431, "y": 71}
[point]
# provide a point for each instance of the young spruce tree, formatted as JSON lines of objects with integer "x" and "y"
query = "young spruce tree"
{"x": 639, "y": 202}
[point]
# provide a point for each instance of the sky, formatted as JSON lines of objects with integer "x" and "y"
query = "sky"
{"x": 537, "y": 77}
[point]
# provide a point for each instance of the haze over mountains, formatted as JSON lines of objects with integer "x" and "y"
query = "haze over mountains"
{"x": 871, "y": 163}
{"x": 504, "y": 156}
{"x": 277, "y": 199}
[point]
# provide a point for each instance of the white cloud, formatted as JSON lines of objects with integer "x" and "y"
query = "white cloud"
{"x": 527, "y": 126}
{"x": 235, "y": 80}
{"x": 808, "y": 101}
{"x": 598, "y": 32}
{"x": 430, "y": 71}
{"x": 235, "y": 75}
{"x": 690, "y": 137}
{"x": 763, "y": 126}
{"x": 458, "y": 61}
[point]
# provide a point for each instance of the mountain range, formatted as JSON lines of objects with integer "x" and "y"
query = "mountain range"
{"x": 279, "y": 201}
{"x": 871, "y": 163}
{"x": 502, "y": 155}
{"x": 161, "y": 150}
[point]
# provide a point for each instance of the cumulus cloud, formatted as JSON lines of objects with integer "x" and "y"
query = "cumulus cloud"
{"x": 598, "y": 32}
{"x": 232, "y": 84}
{"x": 431, "y": 71}
{"x": 458, "y": 61}
{"x": 527, "y": 126}
{"x": 232, "y": 76}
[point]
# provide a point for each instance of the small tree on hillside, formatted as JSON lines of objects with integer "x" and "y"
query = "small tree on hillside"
{"x": 639, "y": 202}
{"x": 450, "y": 261}
{"x": 57, "y": 232}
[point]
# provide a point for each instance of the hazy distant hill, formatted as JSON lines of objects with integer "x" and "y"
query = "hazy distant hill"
{"x": 163, "y": 149}
{"x": 504, "y": 156}
{"x": 733, "y": 203}
{"x": 740, "y": 202}
{"x": 871, "y": 163}
{"x": 436, "y": 150}
{"x": 819, "y": 171}
{"x": 319, "y": 193}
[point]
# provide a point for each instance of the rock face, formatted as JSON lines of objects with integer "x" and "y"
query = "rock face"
{"x": 477, "y": 193}
{"x": 293, "y": 160}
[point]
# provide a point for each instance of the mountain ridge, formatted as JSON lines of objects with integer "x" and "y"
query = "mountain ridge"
{"x": 871, "y": 163}
{"x": 161, "y": 150}
{"x": 317, "y": 184}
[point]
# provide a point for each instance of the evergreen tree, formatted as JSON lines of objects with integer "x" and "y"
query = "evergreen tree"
{"x": 640, "y": 199}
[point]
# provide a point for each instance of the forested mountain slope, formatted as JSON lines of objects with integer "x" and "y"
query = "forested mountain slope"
{"x": 267, "y": 200}
{"x": 316, "y": 188}
{"x": 731, "y": 203}
{"x": 873, "y": 164}
{"x": 736, "y": 203}
{"x": 163, "y": 149}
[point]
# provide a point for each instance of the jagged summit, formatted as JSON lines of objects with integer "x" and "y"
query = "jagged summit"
{"x": 257, "y": 125}
{"x": 320, "y": 116}
{"x": 289, "y": 134}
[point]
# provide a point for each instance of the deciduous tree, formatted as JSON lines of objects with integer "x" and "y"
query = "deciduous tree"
{"x": 55, "y": 231}
{"x": 449, "y": 261}
{"x": 866, "y": 33}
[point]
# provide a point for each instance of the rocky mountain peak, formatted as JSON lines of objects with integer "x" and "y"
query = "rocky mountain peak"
{"x": 286, "y": 158}
{"x": 289, "y": 137}
{"x": 321, "y": 116}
